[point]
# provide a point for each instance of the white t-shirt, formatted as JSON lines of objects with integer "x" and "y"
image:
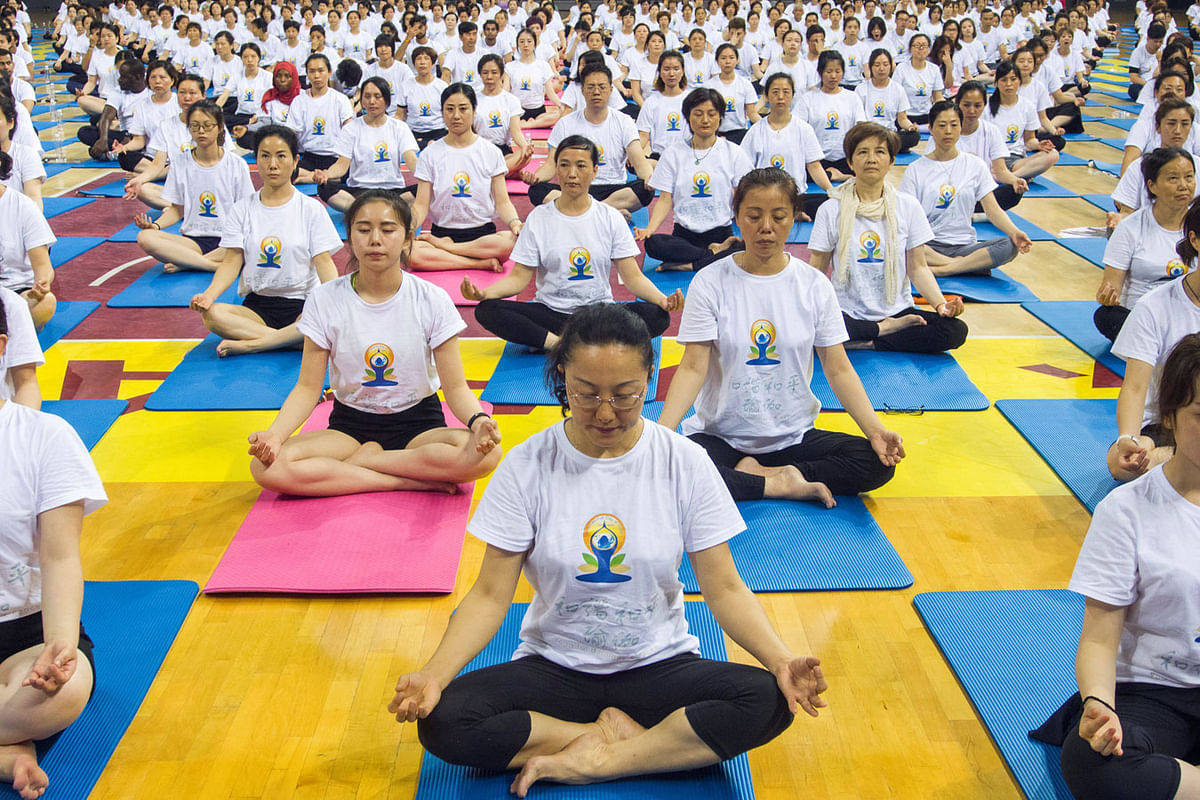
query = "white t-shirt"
{"x": 763, "y": 330}
{"x": 1140, "y": 553}
{"x": 463, "y": 67}
{"x": 23, "y": 348}
{"x": 882, "y": 105}
{"x": 619, "y": 605}
{"x": 1145, "y": 63}
{"x": 699, "y": 70}
{"x": 22, "y": 228}
{"x": 220, "y": 73}
{"x": 863, "y": 295}
{"x": 948, "y": 191}
{"x": 249, "y": 91}
{"x": 423, "y": 104}
{"x": 493, "y": 116}
{"x": 461, "y": 180}
{"x": 804, "y": 76}
{"x": 278, "y": 244}
{"x": 375, "y": 153}
{"x": 1162, "y": 317}
{"x": 738, "y": 95}
{"x": 206, "y": 193}
{"x": 26, "y": 166}
{"x": 572, "y": 97}
{"x": 831, "y": 116}
{"x": 1013, "y": 121}
{"x": 318, "y": 121}
{"x": 104, "y": 69}
{"x": 702, "y": 193}
{"x": 381, "y": 354}
{"x": 987, "y": 142}
{"x": 171, "y": 136}
{"x": 396, "y": 76}
{"x": 529, "y": 81}
{"x": 43, "y": 465}
{"x": 573, "y": 256}
{"x": 612, "y": 137}
{"x": 1131, "y": 188}
{"x": 358, "y": 46}
{"x": 792, "y": 148}
{"x": 919, "y": 85}
{"x": 194, "y": 58}
{"x": 662, "y": 118}
{"x": 1145, "y": 251}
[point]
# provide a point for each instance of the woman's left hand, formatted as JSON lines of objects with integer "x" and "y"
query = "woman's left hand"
{"x": 1045, "y": 145}
{"x": 1022, "y": 241}
{"x": 673, "y": 303}
{"x": 485, "y": 434}
{"x": 40, "y": 289}
{"x": 951, "y": 307}
{"x": 888, "y": 446}
{"x": 1020, "y": 186}
{"x": 54, "y": 667}
{"x": 802, "y": 683}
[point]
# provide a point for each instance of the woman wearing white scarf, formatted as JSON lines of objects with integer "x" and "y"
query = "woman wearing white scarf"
{"x": 870, "y": 237}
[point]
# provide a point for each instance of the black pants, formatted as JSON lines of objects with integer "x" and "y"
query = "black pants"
{"x": 683, "y": 246}
{"x": 1075, "y": 123}
{"x": 1159, "y": 724}
{"x": 425, "y": 137}
{"x": 483, "y": 720}
{"x": 1109, "y": 320}
{"x": 315, "y": 161}
{"x": 1134, "y": 90}
{"x": 1058, "y": 141}
{"x": 89, "y": 135}
{"x": 1006, "y": 197}
{"x": 840, "y": 164}
{"x": 908, "y": 140}
{"x": 736, "y": 135}
{"x": 937, "y": 335}
{"x": 844, "y": 463}
{"x": 599, "y": 191}
{"x": 528, "y": 323}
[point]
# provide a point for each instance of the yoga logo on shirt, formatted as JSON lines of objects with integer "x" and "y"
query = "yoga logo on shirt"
{"x": 208, "y": 205}
{"x": 870, "y": 251}
{"x": 604, "y": 536}
{"x": 673, "y": 121}
{"x": 729, "y": 107}
{"x": 426, "y": 109}
{"x": 269, "y": 251}
{"x": 248, "y": 96}
{"x": 462, "y": 185}
{"x": 922, "y": 90}
{"x": 600, "y": 156}
{"x": 851, "y": 62}
{"x": 945, "y": 196}
{"x": 1010, "y": 134}
{"x": 470, "y": 77}
{"x": 1175, "y": 268}
{"x": 581, "y": 264}
{"x": 318, "y": 126}
{"x": 494, "y": 120}
{"x": 701, "y": 185}
{"x": 524, "y": 84}
{"x": 831, "y": 121}
{"x": 762, "y": 347}
{"x": 699, "y": 79}
{"x": 778, "y": 161}
{"x": 381, "y": 152}
{"x": 379, "y": 358}
{"x": 879, "y": 111}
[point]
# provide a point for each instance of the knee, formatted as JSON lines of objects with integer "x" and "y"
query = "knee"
{"x": 275, "y": 478}
{"x": 657, "y": 319}
{"x": 481, "y": 464}
{"x": 954, "y": 333}
{"x": 1002, "y": 251}
{"x": 1052, "y": 156}
{"x": 447, "y": 733}
{"x": 328, "y": 189}
{"x": 1136, "y": 775}
{"x": 875, "y": 473}
{"x": 145, "y": 237}
{"x": 487, "y": 314}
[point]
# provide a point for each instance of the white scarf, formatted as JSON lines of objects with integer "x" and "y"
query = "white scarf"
{"x": 850, "y": 207}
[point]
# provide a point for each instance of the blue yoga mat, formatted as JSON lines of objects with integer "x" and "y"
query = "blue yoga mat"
{"x": 157, "y": 289}
{"x": 1073, "y": 437}
{"x": 519, "y": 378}
{"x": 995, "y": 288}
{"x": 1041, "y": 186}
{"x": 980, "y": 633}
{"x": 800, "y": 233}
{"x": 49, "y": 145}
{"x": 1123, "y": 124}
{"x": 906, "y": 381}
{"x": 55, "y": 167}
{"x": 1132, "y": 108}
{"x": 667, "y": 282}
{"x": 1073, "y": 319}
{"x": 133, "y": 624}
{"x": 1089, "y": 247}
{"x": 67, "y": 315}
{"x": 903, "y": 159}
{"x": 53, "y": 206}
{"x": 111, "y": 189}
{"x": 129, "y": 232}
{"x": 1103, "y": 202}
{"x": 843, "y": 549}
{"x": 91, "y": 419}
{"x": 203, "y": 381}
{"x": 1065, "y": 159}
{"x": 1119, "y": 95}
{"x": 1080, "y": 137}
{"x": 986, "y": 230}
{"x": 729, "y": 780}
{"x": 1119, "y": 144}
{"x": 71, "y": 247}
{"x": 70, "y": 112}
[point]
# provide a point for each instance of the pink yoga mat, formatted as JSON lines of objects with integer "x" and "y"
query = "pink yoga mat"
{"x": 378, "y": 542}
{"x": 537, "y": 133}
{"x": 451, "y": 280}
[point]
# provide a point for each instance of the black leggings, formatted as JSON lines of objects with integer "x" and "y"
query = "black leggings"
{"x": 937, "y": 335}
{"x": 1109, "y": 320}
{"x": 908, "y": 139}
{"x": 483, "y": 720}
{"x": 844, "y": 463}
{"x": 89, "y": 135}
{"x": 683, "y": 246}
{"x": 528, "y": 323}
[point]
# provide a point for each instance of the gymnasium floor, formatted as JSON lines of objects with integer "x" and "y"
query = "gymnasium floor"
{"x": 281, "y": 696}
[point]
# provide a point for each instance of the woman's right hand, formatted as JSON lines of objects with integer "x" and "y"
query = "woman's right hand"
{"x": 1133, "y": 457}
{"x": 641, "y": 234}
{"x": 264, "y": 445}
{"x": 143, "y": 221}
{"x": 1107, "y": 294}
{"x": 529, "y": 176}
{"x": 1100, "y": 728}
{"x": 416, "y": 695}
{"x": 133, "y": 186}
{"x": 470, "y": 291}
{"x": 201, "y": 302}
{"x": 320, "y": 176}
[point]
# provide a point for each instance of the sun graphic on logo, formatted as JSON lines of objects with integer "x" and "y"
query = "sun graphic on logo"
{"x": 494, "y": 119}
{"x": 869, "y": 247}
{"x": 208, "y": 204}
{"x": 378, "y": 355}
{"x": 762, "y": 330}
{"x": 461, "y": 181}
{"x": 777, "y": 161}
{"x": 319, "y": 126}
{"x": 426, "y": 109}
{"x": 879, "y": 110}
{"x": 672, "y": 121}
{"x": 831, "y": 121}
{"x": 1175, "y": 268}
{"x": 762, "y": 343}
{"x": 603, "y": 536}
{"x": 269, "y": 250}
{"x": 381, "y": 152}
{"x": 944, "y": 196}
{"x": 701, "y": 185}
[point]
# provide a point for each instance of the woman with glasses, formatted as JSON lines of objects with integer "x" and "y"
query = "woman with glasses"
{"x": 607, "y": 681}
{"x": 751, "y": 325}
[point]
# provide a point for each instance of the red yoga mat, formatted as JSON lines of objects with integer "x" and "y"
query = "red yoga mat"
{"x": 451, "y": 280}
{"x": 377, "y": 542}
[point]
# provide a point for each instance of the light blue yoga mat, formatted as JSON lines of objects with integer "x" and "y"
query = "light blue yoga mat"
{"x": 55, "y": 167}
{"x": 981, "y": 634}
{"x": 1123, "y": 124}
{"x": 1065, "y": 159}
{"x": 70, "y": 112}
{"x": 53, "y": 206}
{"x": 1041, "y": 186}
{"x": 67, "y": 315}
{"x": 1073, "y": 437}
{"x": 205, "y": 382}
{"x": 800, "y": 233}
{"x": 1079, "y": 137}
{"x": 1073, "y": 319}
{"x": 986, "y": 230}
{"x": 91, "y": 419}
{"x": 71, "y": 247}
{"x": 1119, "y": 144}
{"x": 789, "y": 546}
{"x": 906, "y": 383}
{"x": 903, "y": 159}
{"x": 111, "y": 189}
{"x": 729, "y": 780}
{"x": 667, "y": 282}
{"x": 129, "y": 232}
{"x": 519, "y": 378}
{"x": 1132, "y": 108}
{"x": 133, "y": 624}
{"x": 52, "y": 145}
{"x": 157, "y": 289}
{"x": 1089, "y": 247}
{"x": 995, "y": 288}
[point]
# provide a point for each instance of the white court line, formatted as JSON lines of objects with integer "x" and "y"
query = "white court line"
{"x": 116, "y": 270}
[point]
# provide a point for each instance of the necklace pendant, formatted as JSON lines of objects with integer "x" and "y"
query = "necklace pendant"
{"x": 697, "y": 162}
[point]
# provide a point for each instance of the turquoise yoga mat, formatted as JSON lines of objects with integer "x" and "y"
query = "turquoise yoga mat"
{"x": 53, "y": 206}
{"x": 1073, "y": 319}
{"x": 906, "y": 383}
{"x": 91, "y": 419}
{"x": 67, "y": 315}
{"x": 68, "y": 248}
{"x": 205, "y": 382}
{"x": 157, "y": 289}
{"x": 519, "y": 378}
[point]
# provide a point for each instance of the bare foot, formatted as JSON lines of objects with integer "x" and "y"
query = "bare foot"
{"x": 893, "y": 324}
{"x": 627, "y": 214}
{"x": 169, "y": 267}
{"x": 368, "y": 456}
{"x": 615, "y": 725}
{"x": 237, "y": 347}
{"x": 675, "y": 268}
{"x": 29, "y": 779}
{"x": 496, "y": 264}
{"x": 577, "y": 763}
{"x": 787, "y": 483}
{"x": 437, "y": 241}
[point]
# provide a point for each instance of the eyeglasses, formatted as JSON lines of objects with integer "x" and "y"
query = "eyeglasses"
{"x": 620, "y": 402}
{"x": 914, "y": 411}
{"x": 204, "y": 127}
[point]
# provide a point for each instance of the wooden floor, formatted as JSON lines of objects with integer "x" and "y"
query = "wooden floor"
{"x": 284, "y": 696}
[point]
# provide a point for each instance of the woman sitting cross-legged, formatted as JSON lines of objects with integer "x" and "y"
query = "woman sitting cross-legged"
{"x": 570, "y": 244}
{"x": 872, "y": 236}
{"x": 754, "y": 415}
{"x": 607, "y": 681}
